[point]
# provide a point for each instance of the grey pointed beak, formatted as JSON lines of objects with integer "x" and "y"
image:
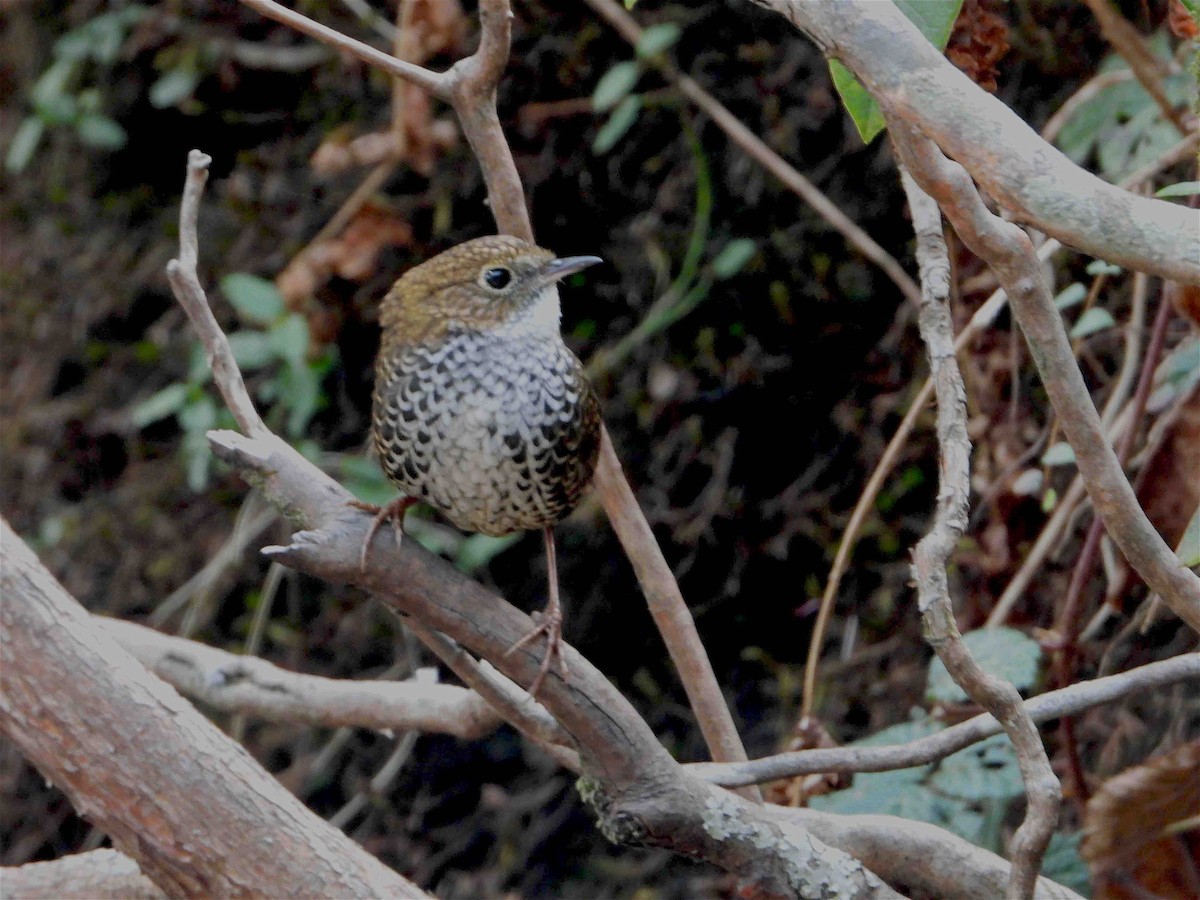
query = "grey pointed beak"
{"x": 557, "y": 269}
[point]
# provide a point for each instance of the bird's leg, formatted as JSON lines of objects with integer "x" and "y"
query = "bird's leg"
{"x": 551, "y": 621}
{"x": 394, "y": 510}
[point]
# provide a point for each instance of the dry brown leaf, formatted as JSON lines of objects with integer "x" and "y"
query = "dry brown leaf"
{"x": 1127, "y": 838}
{"x": 352, "y": 254}
{"x": 978, "y": 42}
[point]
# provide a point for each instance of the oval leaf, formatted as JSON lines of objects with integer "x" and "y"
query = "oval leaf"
{"x": 255, "y": 299}
{"x": 1100, "y": 267}
{"x": 1182, "y": 189}
{"x": 1093, "y": 320}
{"x": 251, "y": 349}
{"x": 24, "y": 142}
{"x": 618, "y": 123}
{"x": 289, "y": 339}
{"x": 1072, "y": 295}
{"x": 733, "y": 258}
{"x": 1060, "y": 454}
{"x": 157, "y": 406}
{"x": 101, "y": 131}
{"x": 615, "y": 85}
{"x": 657, "y": 38}
{"x": 173, "y": 88}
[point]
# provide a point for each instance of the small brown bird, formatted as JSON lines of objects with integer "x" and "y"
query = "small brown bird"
{"x": 480, "y": 410}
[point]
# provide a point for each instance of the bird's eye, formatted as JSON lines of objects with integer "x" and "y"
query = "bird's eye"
{"x": 497, "y": 278}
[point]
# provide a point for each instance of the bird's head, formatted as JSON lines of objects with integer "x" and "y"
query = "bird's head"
{"x": 490, "y": 283}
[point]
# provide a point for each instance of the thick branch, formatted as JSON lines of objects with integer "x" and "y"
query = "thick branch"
{"x": 1008, "y": 251}
{"x": 182, "y": 799}
{"x": 916, "y": 84}
{"x": 1045, "y": 708}
{"x": 933, "y": 552}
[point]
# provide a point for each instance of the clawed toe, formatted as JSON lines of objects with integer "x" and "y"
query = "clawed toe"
{"x": 394, "y": 510}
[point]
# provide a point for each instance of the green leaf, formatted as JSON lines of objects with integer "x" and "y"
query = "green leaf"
{"x": 256, "y": 299}
{"x": 1071, "y": 295}
{"x": 1060, "y": 454}
{"x": 300, "y": 391}
{"x": 733, "y": 257}
{"x": 615, "y": 85}
{"x": 1189, "y": 544}
{"x": 289, "y": 338}
{"x": 986, "y": 771}
{"x": 157, "y": 406}
{"x": 97, "y": 130}
{"x": 199, "y": 415}
{"x": 251, "y": 349}
{"x": 1100, "y": 267}
{"x": 657, "y": 38}
{"x": 173, "y": 88}
{"x": 935, "y": 20}
{"x": 53, "y": 82}
{"x": 24, "y": 142}
{"x": 1182, "y": 189}
{"x": 618, "y": 124}
{"x": 58, "y": 109}
{"x": 1093, "y": 320}
{"x": 863, "y": 109}
{"x": 1003, "y": 652}
{"x": 1049, "y": 500}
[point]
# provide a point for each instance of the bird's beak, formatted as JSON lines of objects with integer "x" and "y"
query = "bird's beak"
{"x": 557, "y": 269}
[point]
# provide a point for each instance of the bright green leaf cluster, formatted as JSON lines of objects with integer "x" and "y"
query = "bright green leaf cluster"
{"x": 614, "y": 91}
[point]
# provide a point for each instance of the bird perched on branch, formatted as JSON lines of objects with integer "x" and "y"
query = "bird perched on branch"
{"x": 479, "y": 409}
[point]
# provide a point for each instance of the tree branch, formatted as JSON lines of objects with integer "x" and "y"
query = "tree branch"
{"x": 1045, "y": 708}
{"x": 913, "y": 81}
{"x": 933, "y": 552}
{"x": 246, "y": 684}
{"x": 174, "y": 793}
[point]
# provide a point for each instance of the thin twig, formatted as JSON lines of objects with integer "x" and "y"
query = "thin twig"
{"x": 185, "y": 282}
{"x": 626, "y": 26}
{"x": 1073, "y": 700}
{"x": 933, "y": 552}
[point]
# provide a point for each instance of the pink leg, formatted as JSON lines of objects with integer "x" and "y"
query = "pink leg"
{"x": 551, "y": 623}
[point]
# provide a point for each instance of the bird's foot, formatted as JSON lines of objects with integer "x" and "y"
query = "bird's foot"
{"x": 394, "y": 510}
{"x": 549, "y": 624}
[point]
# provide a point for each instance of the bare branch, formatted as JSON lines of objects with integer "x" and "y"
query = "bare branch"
{"x": 913, "y": 81}
{"x": 1008, "y": 251}
{"x": 250, "y": 685}
{"x": 754, "y": 147}
{"x": 98, "y": 875}
{"x": 435, "y": 83}
{"x": 931, "y": 861}
{"x": 934, "y": 550}
{"x": 186, "y": 802}
{"x": 186, "y": 284}
{"x": 1045, "y": 708}
{"x": 670, "y": 612}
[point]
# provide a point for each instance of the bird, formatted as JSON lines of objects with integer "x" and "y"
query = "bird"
{"x": 480, "y": 410}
